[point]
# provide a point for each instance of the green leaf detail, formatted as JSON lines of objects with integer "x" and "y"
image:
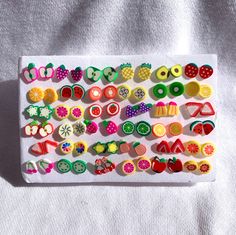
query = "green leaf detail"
{"x": 63, "y": 67}
{"x": 31, "y": 66}
{"x": 50, "y": 65}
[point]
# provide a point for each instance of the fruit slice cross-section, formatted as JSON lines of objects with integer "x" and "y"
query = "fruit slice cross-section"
{"x": 191, "y": 166}
{"x": 176, "y": 70}
{"x": 66, "y": 92}
{"x": 208, "y": 149}
{"x": 204, "y": 167}
{"x": 176, "y": 88}
{"x": 208, "y": 126}
{"x": 143, "y": 128}
{"x": 193, "y": 108}
{"x": 207, "y": 109}
{"x": 177, "y": 147}
{"x": 196, "y": 127}
{"x": 192, "y": 147}
{"x": 128, "y": 167}
{"x": 162, "y": 73}
{"x": 64, "y": 166}
{"x": 144, "y": 164}
{"x": 78, "y": 91}
{"x": 95, "y": 110}
{"x": 79, "y": 167}
{"x": 128, "y": 127}
{"x": 163, "y": 147}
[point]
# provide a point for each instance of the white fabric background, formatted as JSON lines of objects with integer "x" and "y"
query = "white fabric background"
{"x": 116, "y": 27}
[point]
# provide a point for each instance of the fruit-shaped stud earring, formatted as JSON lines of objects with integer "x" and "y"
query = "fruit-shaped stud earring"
{"x": 95, "y": 110}
{"x": 160, "y": 109}
{"x": 173, "y": 109}
{"x": 78, "y": 92}
{"x": 191, "y": 166}
{"x": 79, "y": 167}
{"x": 174, "y": 165}
{"x": 158, "y": 164}
{"x": 110, "y": 126}
{"x": 143, "y": 128}
{"x": 77, "y": 112}
{"x": 208, "y": 149}
{"x": 79, "y": 128}
{"x": 124, "y": 147}
{"x": 177, "y": 147}
{"x": 143, "y": 164}
{"x": 110, "y": 74}
{"x": 176, "y": 89}
{"x": 192, "y": 147}
{"x": 139, "y": 93}
{"x": 32, "y": 111}
{"x": 46, "y": 165}
{"x": 139, "y": 149}
{"x": 112, "y": 147}
{"x": 93, "y": 74}
{"x": 47, "y": 71}
{"x": 76, "y": 74}
{"x": 62, "y": 111}
{"x": 35, "y": 94}
{"x": 204, "y": 167}
{"x": 123, "y": 92}
{"x": 113, "y": 109}
{"x": 191, "y": 70}
{"x": 65, "y": 130}
{"x": 45, "y": 112}
{"x": 30, "y": 73}
{"x": 62, "y": 72}
{"x": 205, "y": 71}
{"x": 66, "y": 92}
{"x": 103, "y": 166}
{"x": 158, "y": 130}
{"x": 175, "y": 128}
{"x": 66, "y": 147}
{"x": 162, "y": 73}
{"x": 110, "y": 92}
{"x": 160, "y": 91}
{"x": 163, "y": 147}
{"x": 64, "y": 166}
{"x": 50, "y": 95}
{"x": 92, "y": 127}
{"x": 127, "y": 71}
{"x": 31, "y": 167}
{"x": 145, "y": 72}
{"x": 205, "y": 91}
{"x": 46, "y": 129}
{"x": 192, "y": 89}
{"x": 99, "y": 148}
{"x": 128, "y": 128}
{"x": 95, "y": 93}
{"x": 176, "y": 70}
{"x": 31, "y": 129}
{"x": 128, "y": 167}
{"x": 80, "y": 148}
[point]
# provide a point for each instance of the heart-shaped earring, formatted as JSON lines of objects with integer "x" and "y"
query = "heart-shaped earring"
{"x": 30, "y": 73}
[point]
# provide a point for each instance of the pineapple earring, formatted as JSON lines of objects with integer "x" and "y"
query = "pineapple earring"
{"x": 127, "y": 71}
{"x": 145, "y": 72}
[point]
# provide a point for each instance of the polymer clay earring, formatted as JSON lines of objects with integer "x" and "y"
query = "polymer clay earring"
{"x": 174, "y": 165}
{"x": 64, "y": 166}
{"x": 173, "y": 109}
{"x": 79, "y": 167}
{"x": 110, "y": 126}
{"x": 44, "y": 147}
{"x": 160, "y": 91}
{"x": 123, "y": 92}
{"x": 77, "y": 112}
{"x": 205, "y": 127}
{"x": 95, "y": 93}
{"x": 124, "y": 147}
{"x": 91, "y": 126}
{"x": 62, "y": 111}
{"x": 35, "y": 94}
{"x": 99, "y": 148}
{"x": 127, "y": 71}
{"x": 65, "y": 130}
{"x": 205, "y": 91}
{"x": 46, "y": 129}
{"x": 160, "y": 110}
{"x": 78, "y": 91}
{"x": 140, "y": 149}
{"x": 204, "y": 167}
{"x": 110, "y": 74}
{"x": 158, "y": 130}
{"x": 93, "y": 74}
{"x": 191, "y": 166}
{"x": 80, "y": 148}
{"x": 128, "y": 167}
{"x": 62, "y": 72}
{"x": 46, "y": 71}
{"x": 201, "y": 109}
{"x": 162, "y": 73}
{"x": 192, "y": 147}
{"x": 45, "y": 112}
{"x": 208, "y": 149}
{"x": 158, "y": 165}
{"x": 66, "y": 92}
{"x": 176, "y": 70}
{"x": 205, "y": 71}
{"x": 176, "y": 89}
{"x": 191, "y": 70}
{"x": 192, "y": 89}
{"x": 112, "y": 109}
{"x": 76, "y": 74}
{"x": 139, "y": 93}
{"x": 30, "y": 73}
{"x": 31, "y": 167}
{"x": 112, "y": 147}
{"x": 66, "y": 147}
{"x": 144, "y": 72}
{"x": 79, "y": 128}
{"x": 177, "y": 147}
{"x": 110, "y": 92}
{"x": 95, "y": 110}
{"x": 143, "y": 164}
{"x": 175, "y": 128}
{"x": 32, "y": 111}
{"x": 128, "y": 128}
{"x": 50, "y": 95}
{"x": 143, "y": 128}
{"x": 103, "y": 166}
{"x": 31, "y": 129}
{"x": 46, "y": 165}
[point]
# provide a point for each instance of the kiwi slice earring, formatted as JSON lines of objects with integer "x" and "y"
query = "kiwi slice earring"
{"x": 160, "y": 91}
{"x": 176, "y": 88}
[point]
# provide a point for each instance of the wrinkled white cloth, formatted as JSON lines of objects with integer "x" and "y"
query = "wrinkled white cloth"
{"x": 117, "y": 27}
